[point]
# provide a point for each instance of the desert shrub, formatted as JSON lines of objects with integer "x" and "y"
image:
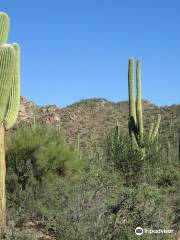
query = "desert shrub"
{"x": 38, "y": 153}
{"x": 176, "y": 221}
{"x": 12, "y": 233}
{"x": 119, "y": 154}
{"x": 35, "y": 156}
{"x": 168, "y": 175}
{"x": 74, "y": 209}
{"x": 96, "y": 205}
{"x": 140, "y": 206}
{"x": 95, "y": 202}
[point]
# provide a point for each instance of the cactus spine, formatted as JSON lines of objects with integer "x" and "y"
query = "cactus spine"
{"x": 136, "y": 126}
{"x": 9, "y": 101}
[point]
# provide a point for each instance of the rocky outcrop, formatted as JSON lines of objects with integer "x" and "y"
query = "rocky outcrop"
{"x": 27, "y": 110}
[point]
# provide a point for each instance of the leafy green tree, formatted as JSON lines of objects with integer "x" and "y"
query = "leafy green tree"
{"x": 39, "y": 153}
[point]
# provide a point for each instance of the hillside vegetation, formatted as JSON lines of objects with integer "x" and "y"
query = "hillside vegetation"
{"x": 93, "y": 118}
{"x": 72, "y": 174}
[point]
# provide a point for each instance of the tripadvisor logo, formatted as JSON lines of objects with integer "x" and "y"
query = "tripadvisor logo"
{"x": 139, "y": 231}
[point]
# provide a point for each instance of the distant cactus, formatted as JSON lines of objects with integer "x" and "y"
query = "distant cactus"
{"x": 136, "y": 126}
{"x": 117, "y": 128}
{"x": 168, "y": 151}
{"x": 78, "y": 144}
{"x": 9, "y": 100}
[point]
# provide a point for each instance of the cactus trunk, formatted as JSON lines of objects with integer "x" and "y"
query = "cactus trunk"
{"x": 132, "y": 109}
{"x": 2, "y": 183}
{"x": 9, "y": 101}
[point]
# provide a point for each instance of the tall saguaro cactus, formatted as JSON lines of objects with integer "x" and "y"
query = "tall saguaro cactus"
{"x": 132, "y": 109}
{"x": 9, "y": 101}
{"x": 136, "y": 126}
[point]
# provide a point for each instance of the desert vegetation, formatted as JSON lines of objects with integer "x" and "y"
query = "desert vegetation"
{"x": 101, "y": 194}
{"x": 60, "y": 185}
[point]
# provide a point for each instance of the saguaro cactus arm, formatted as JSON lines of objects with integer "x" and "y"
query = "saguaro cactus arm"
{"x": 14, "y": 98}
{"x": 7, "y": 60}
{"x": 132, "y": 109}
{"x": 139, "y": 101}
{"x": 150, "y": 132}
{"x": 156, "y": 127}
{"x": 4, "y": 27}
{"x": 132, "y": 106}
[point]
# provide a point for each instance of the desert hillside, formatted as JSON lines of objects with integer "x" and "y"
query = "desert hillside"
{"x": 92, "y": 118}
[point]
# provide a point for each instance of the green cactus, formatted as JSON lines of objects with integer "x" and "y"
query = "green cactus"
{"x": 14, "y": 98}
{"x": 139, "y": 102}
{"x": 132, "y": 109}
{"x": 156, "y": 128}
{"x": 117, "y": 128}
{"x": 78, "y": 144}
{"x": 168, "y": 151}
{"x": 7, "y": 59}
{"x": 4, "y": 27}
{"x": 136, "y": 126}
{"x": 9, "y": 101}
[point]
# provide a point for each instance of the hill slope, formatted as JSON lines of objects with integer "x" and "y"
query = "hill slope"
{"x": 92, "y": 118}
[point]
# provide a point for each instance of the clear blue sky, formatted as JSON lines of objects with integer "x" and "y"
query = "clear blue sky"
{"x": 77, "y": 49}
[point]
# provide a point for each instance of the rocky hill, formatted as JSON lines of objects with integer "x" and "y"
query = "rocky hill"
{"x": 92, "y": 118}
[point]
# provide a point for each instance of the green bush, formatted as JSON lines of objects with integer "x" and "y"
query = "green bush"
{"x": 119, "y": 154}
{"x": 96, "y": 205}
{"x": 74, "y": 208}
{"x": 12, "y": 233}
{"x": 168, "y": 175}
{"x": 95, "y": 202}
{"x": 141, "y": 206}
{"x": 38, "y": 153}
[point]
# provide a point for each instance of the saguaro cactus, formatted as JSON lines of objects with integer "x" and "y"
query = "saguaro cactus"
{"x": 136, "y": 129}
{"x": 9, "y": 101}
{"x": 132, "y": 109}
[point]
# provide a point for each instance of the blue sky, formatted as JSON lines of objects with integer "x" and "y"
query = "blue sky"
{"x": 78, "y": 49}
